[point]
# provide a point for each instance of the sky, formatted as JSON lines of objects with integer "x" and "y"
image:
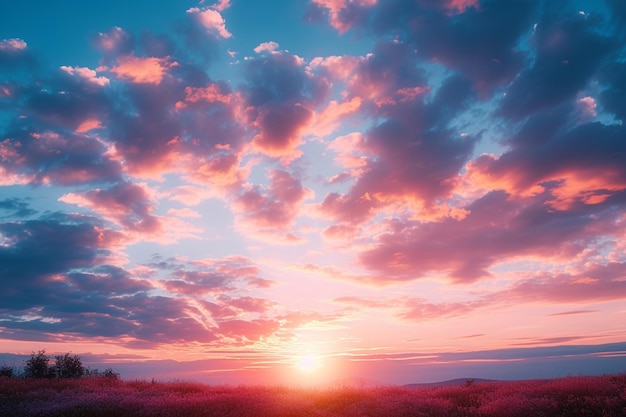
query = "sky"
{"x": 315, "y": 191}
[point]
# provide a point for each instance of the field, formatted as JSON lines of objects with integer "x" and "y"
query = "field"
{"x": 601, "y": 396}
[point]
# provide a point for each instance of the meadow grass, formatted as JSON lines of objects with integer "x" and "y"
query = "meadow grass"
{"x": 602, "y": 396}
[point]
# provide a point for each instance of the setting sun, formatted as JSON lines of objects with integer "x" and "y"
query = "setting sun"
{"x": 309, "y": 363}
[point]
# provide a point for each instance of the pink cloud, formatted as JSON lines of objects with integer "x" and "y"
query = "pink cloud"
{"x": 340, "y": 274}
{"x": 198, "y": 283}
{"x": 233, "y": 265}
{"x": 351, "y": 209}
{"x": 10, "y": 178}
{"x": 567, "y": 179}
{"x": 340, "y": 231}
{"x": 342, "y": 12}
{"x": 87, "y": 74}
{"x": 350, "y": 149}
{"x": 588, "y": 107}
{"x": 189, "y": 195}
{"x": 281, "y": 126}
{"x": 222, "y": 171}
{"x": 212, "y": 20}
{"x": 338, "y": 67}
{"x": 221, "y": 5}
{"x": 49, "y": 157}
{"x": 419, "y": 310}
{"x": 588, "y": 187}
{"x": 244, "y": 332}
{"x": 266, "y": 47}
{"x": 459, "y": 6}
{"x": 339, "y": 178}
{"x": 329, "y": 119}
{"x": 590, "y": 282}
{"x": 494, "y": 227}
{"x": 13, "y": 44}
{"x": 126, "y": 204}
{"x": 185, "y": 212}
{"x": 415, "y": 309}
{"x": 6, "y": 91}
{"x": 88, "y": 125}
{"x": 272, "y": 210}
{"x": 248, "y": 304}
{"x": 141, "y": 70}
{"x": 372, "y": 79}
{"x": 116, "y": 40}
{"x": 209, "y": 94}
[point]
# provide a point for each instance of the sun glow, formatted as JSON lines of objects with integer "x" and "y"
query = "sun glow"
{"x": 308, "y": 363}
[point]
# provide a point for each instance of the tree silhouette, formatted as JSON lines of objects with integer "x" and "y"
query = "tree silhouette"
{"x": 67, "y": 366}
{"x": 37, "y": 365}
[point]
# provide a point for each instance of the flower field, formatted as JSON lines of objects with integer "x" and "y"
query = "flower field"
{"x": 601, "y": 396}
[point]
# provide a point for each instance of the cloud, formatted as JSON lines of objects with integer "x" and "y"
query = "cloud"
{"x": 210, "y": 94}
{"x": 343, "y": 14}
{"x": 410, "y": 159}
{"x": 86, "y": 73}
{"x": 457, "y": 34}
{"x": 62, "y": 281}
{"x": 221, "y": 5}
{"x": 280, "y": 100}
{"x": 593, "y": 282}
{"x": 272, "y": 210}
{"x": 19, "y": 207}
{"x": 496, "y": 228}
{"x": 280, "y": 128}
{"x": 13, "y": 44}
{"x": 583, "y": 168}
{"x": 185, "y": 212}
{"x": 149, "y": 70}
{"x": 49, "y": 157}
{"x": 212, "y": 20}
{"x": 115, "y": 42}
{"x": 568, "y": 52}
{"x": 34, "y": 252}
{"x": 330, "y": 118}
{"x": 266, "y": 47}
{"x": 126, "y": 204}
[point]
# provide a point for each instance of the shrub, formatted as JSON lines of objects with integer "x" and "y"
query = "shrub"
{"x": 6, "y": 371}
{"x": 67, "y": 366}
{"x": 107, "y": 373}
{"x": 37, "y": 365}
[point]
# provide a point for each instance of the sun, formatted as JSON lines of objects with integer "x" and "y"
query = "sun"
{"x": 308, "y": 363}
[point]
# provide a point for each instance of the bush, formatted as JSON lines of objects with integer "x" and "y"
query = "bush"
{"x": 67, "y": 366}
{"x": 107, "y": 373}
{"x": 37, "y": 365}
{"x": 6, "y": 371}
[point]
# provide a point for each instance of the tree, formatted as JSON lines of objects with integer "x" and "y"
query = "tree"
{"x": 67, "y": 366}
{"x": 37, "y": 365}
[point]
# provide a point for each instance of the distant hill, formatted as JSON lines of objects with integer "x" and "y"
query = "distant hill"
{"x": 451, "y": 383}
